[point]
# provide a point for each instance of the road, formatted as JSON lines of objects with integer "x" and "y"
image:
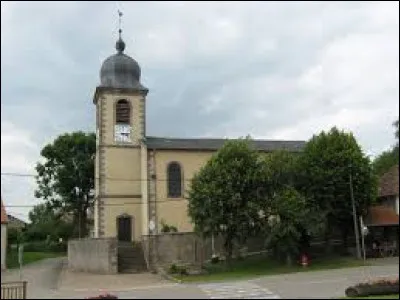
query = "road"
{"x": 318, "y": 284}
{"x": 42, "y": 277}
{"x": 324, "y": 284}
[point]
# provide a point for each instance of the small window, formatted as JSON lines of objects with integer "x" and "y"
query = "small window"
{"x": 174, "y": 180}
{"x": 123, "y": 112}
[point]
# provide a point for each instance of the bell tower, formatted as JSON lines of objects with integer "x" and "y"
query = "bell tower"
{"x": 121, "y": 155}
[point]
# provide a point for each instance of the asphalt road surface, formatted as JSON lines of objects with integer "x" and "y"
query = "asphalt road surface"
{"x": 43, "y": 282}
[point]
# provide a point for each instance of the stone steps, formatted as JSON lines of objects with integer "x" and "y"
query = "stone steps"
{"x": 122, "y": 261}
{"x": 131, "y": 258}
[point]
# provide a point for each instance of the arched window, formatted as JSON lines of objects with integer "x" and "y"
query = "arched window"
{"x": 174, "y": 180}
{"x": 123, "y": 112}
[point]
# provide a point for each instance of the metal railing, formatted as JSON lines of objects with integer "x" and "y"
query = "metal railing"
{"x": 13, "y": 290}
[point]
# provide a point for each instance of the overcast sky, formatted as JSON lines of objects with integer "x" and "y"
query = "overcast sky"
{"x": 275, "y": 70}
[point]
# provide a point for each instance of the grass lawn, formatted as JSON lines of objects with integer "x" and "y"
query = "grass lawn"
{"x": 29, "y": 257}
{"x": 262, "y": 265}
{"x": 375, "y": 297}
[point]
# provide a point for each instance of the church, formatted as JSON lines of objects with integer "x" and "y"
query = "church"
{"x": 140, "y": 180}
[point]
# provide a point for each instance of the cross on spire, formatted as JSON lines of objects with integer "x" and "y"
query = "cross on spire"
{"x": 120, "y": 14}
{"x": 120, "y": 45}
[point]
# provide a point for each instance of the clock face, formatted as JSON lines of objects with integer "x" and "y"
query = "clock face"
{"x": 122, "y": 133}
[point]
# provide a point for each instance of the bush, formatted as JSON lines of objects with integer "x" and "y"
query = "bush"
{"x": 183, "y": 270}
{"x": 14, "y": 236}
{"x": 165, "y": 228}
{"x": 173, "y": 269}
{"x": 178, "y": 269}
{"x": 173, "y": 228}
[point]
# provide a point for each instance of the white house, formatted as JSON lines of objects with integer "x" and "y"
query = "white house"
{"x": 3, "y": 236}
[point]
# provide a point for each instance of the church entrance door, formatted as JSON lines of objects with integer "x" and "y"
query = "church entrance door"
{"x": 124, "y": 228}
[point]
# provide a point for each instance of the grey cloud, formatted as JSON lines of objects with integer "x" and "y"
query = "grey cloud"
{"x": 272, "y": 69}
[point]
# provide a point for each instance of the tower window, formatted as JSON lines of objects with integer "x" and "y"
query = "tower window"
{"x": 123, "y": 112}
{"x": 174, "y": 180}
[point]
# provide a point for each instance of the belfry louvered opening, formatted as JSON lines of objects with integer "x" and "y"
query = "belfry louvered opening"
{"x": 123, "y": 112}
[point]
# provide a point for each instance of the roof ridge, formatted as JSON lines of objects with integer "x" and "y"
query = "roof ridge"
{"x": 221, "y": 138}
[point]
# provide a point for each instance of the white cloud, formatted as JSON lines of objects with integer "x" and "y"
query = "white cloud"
{"x": 18, "y": 149}
{"x": 19, "y": 154}
{"x": 352, "y": 83}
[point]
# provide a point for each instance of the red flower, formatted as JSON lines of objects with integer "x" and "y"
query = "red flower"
{"x": 103, "y": 296}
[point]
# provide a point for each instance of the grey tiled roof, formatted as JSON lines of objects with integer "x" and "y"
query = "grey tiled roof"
{"x": 215, "y": 144}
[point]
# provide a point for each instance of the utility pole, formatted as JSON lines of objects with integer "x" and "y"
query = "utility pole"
{"x": 364, "y": 232}
{"x": 356, "y": 232}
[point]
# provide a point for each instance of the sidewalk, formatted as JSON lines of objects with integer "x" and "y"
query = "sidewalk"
{"x": 76, "y": 281}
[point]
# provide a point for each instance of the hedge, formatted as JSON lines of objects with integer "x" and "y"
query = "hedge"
{"x": 43, "y": 246}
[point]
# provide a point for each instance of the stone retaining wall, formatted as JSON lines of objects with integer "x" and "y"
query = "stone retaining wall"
{"x": 90, "y": 255}
{"x": 188, "y": 248}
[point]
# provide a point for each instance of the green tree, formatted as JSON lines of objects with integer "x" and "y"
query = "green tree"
{"x": 14, "y": 236}
{"x": 384, "y": 161}
{"x": 325, "y": 167}
{"x": 42, "y": 223}
{"x": 48, "y": 223}
{"x": 297, "y": 221}
{"x": 66, "y": 178}
{"x": 288, "y": 220}
{"x": 41, "y": 213}
{"x": 223, "y": 195}
{"x": 281, "y": 169}
{"x": 387, "y": 159}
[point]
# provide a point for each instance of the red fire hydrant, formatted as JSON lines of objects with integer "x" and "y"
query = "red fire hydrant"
{"x": 304, "y": 260}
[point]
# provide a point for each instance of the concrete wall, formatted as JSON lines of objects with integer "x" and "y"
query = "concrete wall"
{"x": 189, "y": 248}
{"x": 178, "y": 247}
{"x": 3, "y": 245}
{"x": 163, "y": 250}
{"x": 93, "y": 255}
